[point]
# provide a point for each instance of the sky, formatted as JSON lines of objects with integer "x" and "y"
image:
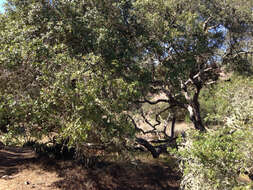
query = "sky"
{"x": 1, "y": 5}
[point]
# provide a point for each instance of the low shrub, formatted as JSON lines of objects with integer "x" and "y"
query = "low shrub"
{"x": 215, "y": 159}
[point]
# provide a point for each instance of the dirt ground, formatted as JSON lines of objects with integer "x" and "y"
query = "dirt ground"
{"x": 20, "y": 169}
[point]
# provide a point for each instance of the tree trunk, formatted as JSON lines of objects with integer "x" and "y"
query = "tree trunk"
{"x": 3, "y": 129}
{"x": 172, "y": 129}
{"x": 193, "y": 106}
{"x": 195, "y": 116}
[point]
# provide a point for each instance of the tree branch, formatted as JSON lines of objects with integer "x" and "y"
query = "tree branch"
{"x": 157, "y": 150}
{"x": 148, "y": 146}
{"x": 135, "y": 125}
{"x": 152, "y": 102}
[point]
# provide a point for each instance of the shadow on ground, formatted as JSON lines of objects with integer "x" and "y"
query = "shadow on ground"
{"x": 115, "y": 176}
{"x": 108, "y": 176}
{"x": 11, "y": 158}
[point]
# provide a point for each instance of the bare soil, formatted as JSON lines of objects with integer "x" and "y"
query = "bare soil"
{"x": 20, "y": 169}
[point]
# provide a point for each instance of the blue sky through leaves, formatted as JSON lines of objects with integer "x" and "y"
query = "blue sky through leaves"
{"x": 1, "y": 5}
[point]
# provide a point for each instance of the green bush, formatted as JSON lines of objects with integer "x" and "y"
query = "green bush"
{"x": 215, "y": 159}
{"x": 217, "y": 103}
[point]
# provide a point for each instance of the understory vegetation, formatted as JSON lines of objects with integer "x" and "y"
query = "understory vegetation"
{"x": 88, "y": 79}
{"x": 215, "y": 159}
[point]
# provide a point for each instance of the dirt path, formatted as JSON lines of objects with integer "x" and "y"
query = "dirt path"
{"x": 21, "y": 170}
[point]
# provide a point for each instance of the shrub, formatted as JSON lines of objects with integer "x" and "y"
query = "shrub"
{"x": 214, "y": 160}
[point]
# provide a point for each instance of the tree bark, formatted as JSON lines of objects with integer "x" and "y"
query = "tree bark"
{"x": 195, "y": 117}
{"x": 193, "y": 105}
{"x": 149, "y": 147}
{"x": 172, "y": 129}
{"x": 158, "y": 149}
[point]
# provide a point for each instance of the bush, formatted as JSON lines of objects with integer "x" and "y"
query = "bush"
{"x": 214, "y": 160}
{"x": 217, "y": 103}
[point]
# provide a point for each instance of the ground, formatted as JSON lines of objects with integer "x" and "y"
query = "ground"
{"x": 21, "y": 169}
